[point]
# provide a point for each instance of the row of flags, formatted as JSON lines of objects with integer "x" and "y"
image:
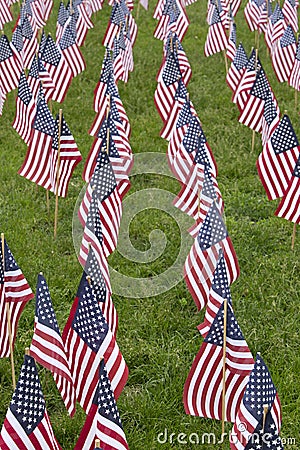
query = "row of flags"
{"x": 85, "y": 360}
{"x": 224, "y": 382}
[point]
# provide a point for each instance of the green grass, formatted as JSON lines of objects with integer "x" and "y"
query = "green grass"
{"x": 158, "y": 335}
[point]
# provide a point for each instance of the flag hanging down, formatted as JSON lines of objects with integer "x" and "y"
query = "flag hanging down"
{"x": 30, "y": 43}
{"x": 294, "y": 78}
{"x": 240, "y": 96}
{"x": 117, "y": 17}
{"x": 14, "y": 292}
{"x": 284, "y": 54}
{"x": 63, "y": 15}
{"x": 2, "y": 99}
{"x": 10, "y": 68}
{"x": 231, "y": 45}
{"x": 47, "y": 347}
{"x": 62, "y": 166}
{"x": 71, "y": 52}
{"x": 251, "y": 423}
{"x": 202, "y": 260}
{"x": 173, "y": 18}
{"x": 25, "y": 110}
{"x": 237, "y": 68}
{"x": 289, "y": 10}
{"x": 17, "y": 44}
{"x": 103, "y": 421}
{"x": 179, "y": 100}
{"x": 270, "y": 118}
{"x": 216, "y": 39}
{"x": 253, "y": 111}
{"x": 289, "y": 207}
{"x": 5, "y": 14}
{"x": 277, "y": 161}
{"x": 87, "y": 339}
{"x": 36, "y": 166}
{"x": 252, "y": 14}
{"x": 27, "y": 425}
{"x": 275, "y": 27}
{"x": 203, "y": 388}
{"x": 57, "y": 67}
{"x": 219, "y": 292}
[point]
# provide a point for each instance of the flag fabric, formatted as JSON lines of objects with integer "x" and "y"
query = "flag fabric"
{"x": 203, "y": 388}
{"x": 69, "y": 157}
{"x": 260, "y": 391}
{"x": 17, "y": 45}
{"x": 144, "y": 4}
{"x": 179, "y": 100}
{"x": 116, "y": 18}
{"x": 14, "y": 292}
{"x": 27, "y": 425}
{"x": 252, "y": 14}
{"x": 283, "y": 55}
{"x": 10, "y": 68}
{"x": 2, "y": 99}
{"x": 237, "y": 68}
{"x": 294, "y": 78}
{"x": 277, "y": 27}
{"x": 71, "y": 52}
{"x": 289, "y": 207}
{"x": 47, "y": 347}
{"x": 216, "y": 39}
{"x": 231, "y": 45}
{"x": 87, "y": 339}
{"x": 270, "y": 118}
{"x": 240, "y": 96}
{"x": 173, "y": 18}
{"x": 289, "y": 10}
{"x": 36, "y": 164}
{"x": 252, "y": 114}
{"x": 25, "y": 110}
{"x": 202, "y": 260}
{"x": 46, "y": 81}
{"x": 57, "y": 67}
{"x": 30, "y": 43}
{"x": 103, "y": 421}
{"x": 277, "y": 161}
{"x": 5, "y": 14}
{"x": 63, "y": 15}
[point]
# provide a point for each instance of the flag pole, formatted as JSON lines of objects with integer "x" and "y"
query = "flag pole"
{"x": 294, "y": 236}
{"x": 57, "y": 175}
{"x": 226, "y": 62}
{"x": 224, "y": 369}
{"x": 266, "y": 409}
{"x": 97, "y": 443}
{"x": 138, "y": 11}
{"x": 107, "y": 113}
{"x": 27, "y": 351}
{"x": 253, "y": 131}
{"x": 11, "y": 350}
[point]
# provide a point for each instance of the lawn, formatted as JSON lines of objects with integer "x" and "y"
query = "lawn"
{"x": 157, "y": 333}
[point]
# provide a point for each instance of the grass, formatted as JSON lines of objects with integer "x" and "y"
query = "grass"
{"x": 158, "y": 335}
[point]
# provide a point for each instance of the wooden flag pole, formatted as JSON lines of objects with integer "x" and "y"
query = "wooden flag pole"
{"x": 294, "y": 236}
{"x": 97, "y": 443}
{"x": 226, "y": 62}
{"x": 57, "y": 174}
{"x": 8, "y": 316}
{"x": 138, "y": 10}
{"x": 224, "y": 369}
{"x": 108, "y": 130}
{"x": 27, "y": 351}
{"x": 266, "y": 409}
{"x": 253, "y": 131}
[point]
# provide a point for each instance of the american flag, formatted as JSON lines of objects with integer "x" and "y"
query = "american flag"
{"x": 252, "y": 114}
{"x": 278, "y": 25}
{"x": 117, "y": 17}
{"x": 219, "y": 292}
{"x": 283, "y": 55}
{"x": 93, "y": 277}
{"x": 10, "y": 68}
{"x": 38, "y": 13}
{"x": 289, "y": 10}
{"x": 252, "y": 14}
{"x": 270, "y": 118}
{"x": 25, "y": 110}
{"x": 69, "y": 157}
{"x": 294, "y": 78}
{"x": 103, "y": 421}
{"x": 106, "y": 73}
{"x": 289, "y": 207}
{"x": 5, "y": 14}
{"x": 36, "y": 164}
{"x": 118, "y": 63}
{"x": 237, "y": 68}
{"x": 14, "y": 292}
{"x": 71, "y": 52}
{"x": 235, "y": 5}
{"x": 16, "y": 45}
{"x": 159, "y": 9}
{"x": 30, "y": 43}
{"x": 166, "y": 88}
{"x": 216, "y": 39}
{"x": 179, "y": 100}
{"x": 260, "y": 391}
{"x": 57, "y": 67}
{"x": 277, "y": 161}
{"x": 202, "y": 260}
{"x": 33, "y": 79}
{"x": 2, "y": 99}
{"x": 47, "y": 82}
{"x": 48, "y": 5}
{"x": 263, "y": 17}
{"x": 231, "y": 45}
{"x": 87, "y": 339}
{"x": 170, "y": 13}
{"x": 47, "y": 347}
{"x": 27, "y": 424}
{"x": 240, "y": 96}
{"x": 203, "y": 388}
{"x": 63, "y": 15}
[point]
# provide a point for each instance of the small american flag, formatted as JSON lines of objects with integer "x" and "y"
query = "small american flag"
{"x": 63, "y": 15}
{"x": 30, "y": 43}
{"x": 260, "y": 391}
{"x": 289, "y": 207}
{"x": 203, "y": 388}
{"x": 231, "y": 46}
{"x": 36, "y": 165}
{"x": 237, "y": 68}
{"x": 25, "y": 110}
{"x": 252, "y": 14}
{"x": 5, "y": 14}
{"x": 216, "y": 39}
{"x": 10, "y": 68}
{"x": 71, "y": 52}
{"x": 240, "y": 96}
{"x": 16, "y": 45}
{"x": 289, "y": 10}
{"x": 103, "y": 421}
{"x": 173, "y": 45}
{"x": 87, "y": 339}
{"x": 283, "y": 55}
{"x": 101, "y": 87}
{"x": 203, "y": 257}
{"x": 270, "y": 118}
{"x": 294, "y": 78}
{"x": 117, "y": 17}
{"x": 27, "y": 424}
{"x": 277, "y": 161}
{"x": 47, "y": 347}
